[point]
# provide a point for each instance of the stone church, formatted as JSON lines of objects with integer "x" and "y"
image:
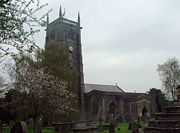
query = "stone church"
{"x": 96, "y": 100}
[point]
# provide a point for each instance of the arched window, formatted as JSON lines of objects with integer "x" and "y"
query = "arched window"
{"x": 94, "y": 107}
{"x": 71, "y": 35}
{"x": 144, "y": 111}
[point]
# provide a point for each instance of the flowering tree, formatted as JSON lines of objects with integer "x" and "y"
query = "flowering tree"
{"x": 1, "y": 81}
{"x": 45, "y": 93}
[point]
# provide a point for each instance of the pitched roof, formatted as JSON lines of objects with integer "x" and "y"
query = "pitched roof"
{"x": 105, "y": 88}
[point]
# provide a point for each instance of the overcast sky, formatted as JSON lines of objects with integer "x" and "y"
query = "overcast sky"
{"x": 123, "y": 41}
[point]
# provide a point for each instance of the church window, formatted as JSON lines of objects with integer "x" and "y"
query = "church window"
{"x": 112, "y": 108}
{"x": 71, "y": 35}
{"x": 94, "y": 107}
{"x": 63, "y": 36}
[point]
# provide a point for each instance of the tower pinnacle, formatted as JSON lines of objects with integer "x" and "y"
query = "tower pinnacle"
{"x": 60, "y": 12}
{"x": 78, "y": 17}
{"x": 47, "y": 21}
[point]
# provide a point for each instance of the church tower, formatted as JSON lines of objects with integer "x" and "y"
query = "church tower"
{"x": 68, "y": 34}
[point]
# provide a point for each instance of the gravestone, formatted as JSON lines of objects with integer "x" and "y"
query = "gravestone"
{"x": 111, "y": 118}
{"x": 100, "y": 128}
{"x": 24, "y": 127}
{"x": 111, "y": 128}
{"x": 134, "y": 126}
{"x": 39, "y": 126}
{"x": 130, "y": 126}
{"x": 112, "y": 121}
{"x": 119, "y": 118}
{"x": 19, "y": 127}
{"x": 167, "y": 121}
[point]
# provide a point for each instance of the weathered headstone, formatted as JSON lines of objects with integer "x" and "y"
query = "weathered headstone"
{"x": 119, "y": 118}
{"x": 111, "y": 118}
{"x": 24, "y": 127}
{"x": 39, "y": 126}
{"x": 146, "y": 122}
{"x": 130, "y": 126}
{"x": 112, "y": 121}
{"x": 100, "y": 128}
{"x": 111, "y": 128}
{"x": 16, "y": 128}
{"x": 136, "y": 128}
{"x": 19, "y": 127}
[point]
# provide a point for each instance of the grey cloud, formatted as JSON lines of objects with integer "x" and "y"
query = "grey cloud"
{"x": 124, "y": 40}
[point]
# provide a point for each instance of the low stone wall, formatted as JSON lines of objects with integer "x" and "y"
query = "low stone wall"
{"x": 63, "y": 127}
{"x": 161, "y": 130}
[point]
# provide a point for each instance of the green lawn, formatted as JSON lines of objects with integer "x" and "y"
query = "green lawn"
{"x": 6, "y": 129}
{"x": 122, "y": 126}
{"x": 102, "y": 122}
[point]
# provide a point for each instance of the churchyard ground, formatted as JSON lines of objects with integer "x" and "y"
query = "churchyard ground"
{"x": 123, "y": 126}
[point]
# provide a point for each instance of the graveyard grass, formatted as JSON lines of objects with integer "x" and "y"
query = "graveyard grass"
{"x": 123, "y": 128}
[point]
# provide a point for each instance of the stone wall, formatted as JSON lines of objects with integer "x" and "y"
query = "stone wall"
{"x": 123, "y": 106}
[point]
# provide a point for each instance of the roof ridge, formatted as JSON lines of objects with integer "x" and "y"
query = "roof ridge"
{"x": 100, "y": 87}
{"x": 98, "y": 84}
{"x": 119, "y": 88}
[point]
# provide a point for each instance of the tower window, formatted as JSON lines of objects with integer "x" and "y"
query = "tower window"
{"x": 52, "y": 35}
{"x": 71, "y": 35}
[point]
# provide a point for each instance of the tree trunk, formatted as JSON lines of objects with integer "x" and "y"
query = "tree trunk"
{"x": 0, "y": 125}
{"x": 34, "y": 125}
